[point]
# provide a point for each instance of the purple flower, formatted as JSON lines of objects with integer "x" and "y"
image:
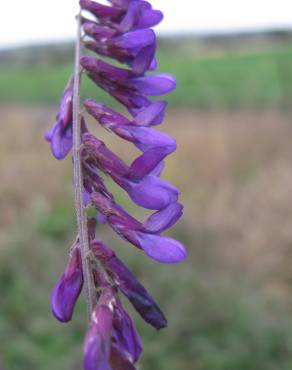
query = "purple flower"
{"x": 60, "y": 136}
{"x": 129, "y": 285}
{"x": 98, "y": 339}
{"x": 112, "y": 335}
{"x": 150, "y": 115}
{"x": 136, "y": 48}
{"x": 124, "y": 334}
{"x": 157, "y": 247}
{"x": 140, "y": 15}
{"x": 121, "y": 31}
{"x": 98, "y": 31}
{"x": 143, "y": 188}
{"x": 124, "y": 15}
{"x": 68, "y": 288}
{"x": 136, "y": 131}
{"x": 124, "y": 86}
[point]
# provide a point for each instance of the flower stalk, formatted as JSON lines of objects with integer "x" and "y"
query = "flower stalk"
{"x": 89, "y": 289}
{"x": 122, "y": 31}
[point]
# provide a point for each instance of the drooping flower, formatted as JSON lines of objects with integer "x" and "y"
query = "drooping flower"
{"x": 122, "y": 84}
{"x": 160, "y": 248}
{"x": 136, "y": 48}
{"x": 112, "y": 337}
{"x": 60, "y": 135}
{"x": 144, "y": 188}
{"x": 97, "y": 340}
{"x": 68, "y": 288}
{"x": 129, "y": 285}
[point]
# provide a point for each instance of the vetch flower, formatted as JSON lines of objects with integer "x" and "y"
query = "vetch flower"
{"x": 124, "y": 333}
{"x": 97, "y": 340}
{"x": 143, "y": 187}
{"x": 112, "y": 335}
{"x": 60, "y": 136}
{"x": 120, "y": 30}
{"x": 129, "y": 285}
{"x": 151, "y": 115}
{"x": 157, "y": 247}
{"x": 136, "y": 48}
{"x": 126, "y": 87}
{"x": 68, "y": 288}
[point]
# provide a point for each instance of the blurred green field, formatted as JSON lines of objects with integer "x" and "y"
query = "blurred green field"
{"x": 229, "y": 305}
{"x": 233, "y": 79}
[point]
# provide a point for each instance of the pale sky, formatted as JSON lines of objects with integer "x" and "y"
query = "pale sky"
{"x": 31, "y": 21}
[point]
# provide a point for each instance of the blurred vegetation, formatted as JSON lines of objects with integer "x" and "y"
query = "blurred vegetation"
{"x": 225, "y": 78}
{"x": 228, "y": 305}
{"x": 214, "y": 324}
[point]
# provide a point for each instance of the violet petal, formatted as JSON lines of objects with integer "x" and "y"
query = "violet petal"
{"x": 68, "y": 288}
{"x": 161, "y": 248}
{"x": 97, "y": 340}
{"x": 125, "y": 334}
{"x": 151, "y": 115}
{"x": 151, "y": 192}
{"x": 129, "y": 285}
{"x": 144, "y": 60}
{"x": 135, "y": 39}
{"x": 154, "y": 85}
{"x": 146, "y": 163}
{"x": 163, "y": 219}
{"x": 61, "y": 141}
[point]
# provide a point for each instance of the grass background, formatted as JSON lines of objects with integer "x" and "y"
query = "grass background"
{"x": 227, "y": 80}
{"x": 229, "y": 304}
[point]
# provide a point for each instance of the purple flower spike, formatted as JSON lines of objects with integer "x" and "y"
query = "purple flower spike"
{"x": 68, "y": 288}
{"x": 121, "y": 31}
{"x": 60, "y": 136}
{"x": 130, "y": 286}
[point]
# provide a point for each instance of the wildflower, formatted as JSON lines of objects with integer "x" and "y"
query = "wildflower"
{"x": 60, "y": 136}
{"x": 68, "y": 288}
{"x": 129, "y": 285}
{"x": 120, "y": 31}
{"x": 160, "y": 248}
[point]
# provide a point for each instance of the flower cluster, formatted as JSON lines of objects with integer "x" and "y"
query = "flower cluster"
{"x": 120, "y": 31}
